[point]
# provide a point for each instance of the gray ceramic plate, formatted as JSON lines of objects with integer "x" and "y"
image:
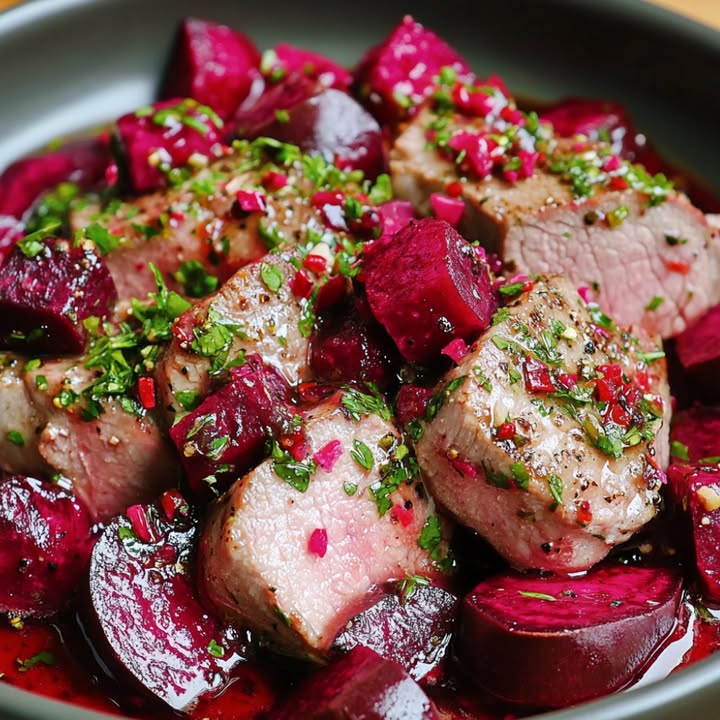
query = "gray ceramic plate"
{"x": 68, "y": 64}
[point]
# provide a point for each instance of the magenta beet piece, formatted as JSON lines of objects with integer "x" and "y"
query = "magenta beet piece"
{"x": 412, "y": 626}
{"x": 333, "y": 125}
{"x": 47, "y": 289}
{"x": 144, "y": 608}
{"x": 11, "y": 230}
{"x": 287, "y": 60}
{"x": 399, "y": 74}
{"x": 251, "y": 118}
{"x": 351, "y": 346}
{"x": 46, "y": 539}
{"x": 359, "y": 686}
{"x": 396, "y": 214}
{"x": 213, "y": 64}
{"x": 168, "y": 135}
{"x": 695, "y": 435}
{"x": 696, "y": 490}
{"x": 82, "y": 161}
{"x": 556, "y": 641}
{"x": 428, "y": 286}
{"x": 698, "y": 350}
{"x": 226, "y": 434}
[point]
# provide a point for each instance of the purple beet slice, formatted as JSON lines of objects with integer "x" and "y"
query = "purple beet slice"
{"x": 412, "y": 625}
{"x": 211, "y": 63}
{"x": 47, "y": 288}
{"x": 83, "y": 162}
{"x": 360, "y": 686}
{"x": 698, "y": 350}
{"x": 144, "y": 611}
{"x": 427, "y": 286}
{"x": 169, "y": 135}
{"x": 11, "y": 230}
{"x": 284, "y": 60}
{"x": 396, "y": 76}
{"x": 46, "y": 538}
{"x": 331, "y": 124}
{"x": 350, "y": 346}
{"x": 554, "y": 641}
{"x": 227, "y": 433}
{"x": 696, "y": 490}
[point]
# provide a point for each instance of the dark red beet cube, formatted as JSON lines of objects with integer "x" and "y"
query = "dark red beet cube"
{"x": 695, "y": 434}
{"x": 11, "y": 230}
{"x": 411, "y": 403}
{"x": 46, "y": 539}
{"x": 412, "y": 625}
{"x": 47, "y": 289}
{"x": 165, "y": 136}
{"x": 427, "y": 286}
{"x": 359, "y": 686}
{"x": 227, "y": 433}
{"x": 396, "y": 76}
{"x": 145, "y": 615}
{"x": 350, "y": 347}
{"x": 333, "y": 125}
{"x": 213, "y": 64}
{"x": 82, "y": 161}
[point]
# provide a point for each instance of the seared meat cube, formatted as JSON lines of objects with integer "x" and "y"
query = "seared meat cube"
{"x": 649, "y": 260}
{"x": 549, "y": 435}
{"x": 294, "y": 548}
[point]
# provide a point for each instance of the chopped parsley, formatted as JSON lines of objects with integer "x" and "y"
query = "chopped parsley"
{"x": 362, "y": 454}
{"x": 16, "y": 438}
{"x": 679, "y": 450}
{"x": 216, "y": 649}
{"x": 197, "y": 282}
{"x": 358, "y": 403}
{"x": 44, "y": 657}
{"x": 296, "y": 473}
{"x": 272, "y": 276}
{"x": 537, "y": 595}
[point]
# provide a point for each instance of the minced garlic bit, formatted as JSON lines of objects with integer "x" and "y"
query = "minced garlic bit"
{"x": 709, "y": 498}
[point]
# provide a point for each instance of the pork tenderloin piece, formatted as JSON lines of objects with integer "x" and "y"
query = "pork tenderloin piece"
{"x": 245, "y": 316}
{"x": 295, "y": 565}
{"x": 649, "y": 263}
{"x": 113, "y": 460}
{"x": 548, "y": 437}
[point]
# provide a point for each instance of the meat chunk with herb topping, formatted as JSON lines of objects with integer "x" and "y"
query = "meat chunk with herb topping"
{"x": 645, "y": 253}
{"x": 549, "y": 435}
{"x": 345, "y": 513}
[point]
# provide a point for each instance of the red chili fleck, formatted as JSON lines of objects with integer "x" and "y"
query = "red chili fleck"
{"x": 176, "y": 217}
{"x": 678, "y": 266}
{"x": 619, "y": 415}
{"x": 605, "y": 390}
{"x": 537, "y": 376}
{"x": 454, "y": 189}
{"x": 318, "y": 542}
{"x": 617, "y": 182}
{"x": 528, "y": 161}
{"x": 298, "y": 449}
{"x": 315, "y": 263}
{"x": 173, "y": 503}
{"x": 611, "y": 371}
{"x": 301, "y": 285}
{"x": 274, "y": 180}
{"x": 138, "y": 520}
{"x": 567, "y": 380}
{"x": 584, "y": 514}
{"x": 506, "y": 431}
{"x": 642, "y": 380}
{"x": 251, "y": 201}
{"x": 313, "y": 392}
{"x": 611, "y": 164}
{"x": 456, "y": 350}
{"x": 402, "y": 514}
{"x": 327, "y": 197}
{"x": 146, "y": 392}
{"x": 328, "y": 455}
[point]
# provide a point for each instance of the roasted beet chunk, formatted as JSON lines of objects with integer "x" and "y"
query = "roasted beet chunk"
{"x": 284, "y": 60}
{"x": 227, "y": 432}
{"x": 166, "y": 137}
{"x": 144, "y": 605}
{"x": 350, "y": 346}
{"x": 399, "y": 74}
{"x": 428, "y": 286}
{"x": 333, "y": 125}
{"x": 698, "y": 350}
{"x": 360, "y": 686}
{"x": 82, "y": 162}
{"x": 411, "y": 625}
{"x": 11, "y": 230}
{"x": 46, "y": 539}
{"x": 696, "y": 490}
{"x": 556, "y": 641}
{"x": 47, "y": 289}
{"x": 213, "y": 64}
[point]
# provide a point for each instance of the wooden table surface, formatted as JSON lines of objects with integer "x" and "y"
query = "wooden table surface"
{"x": 707, "y": 11}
